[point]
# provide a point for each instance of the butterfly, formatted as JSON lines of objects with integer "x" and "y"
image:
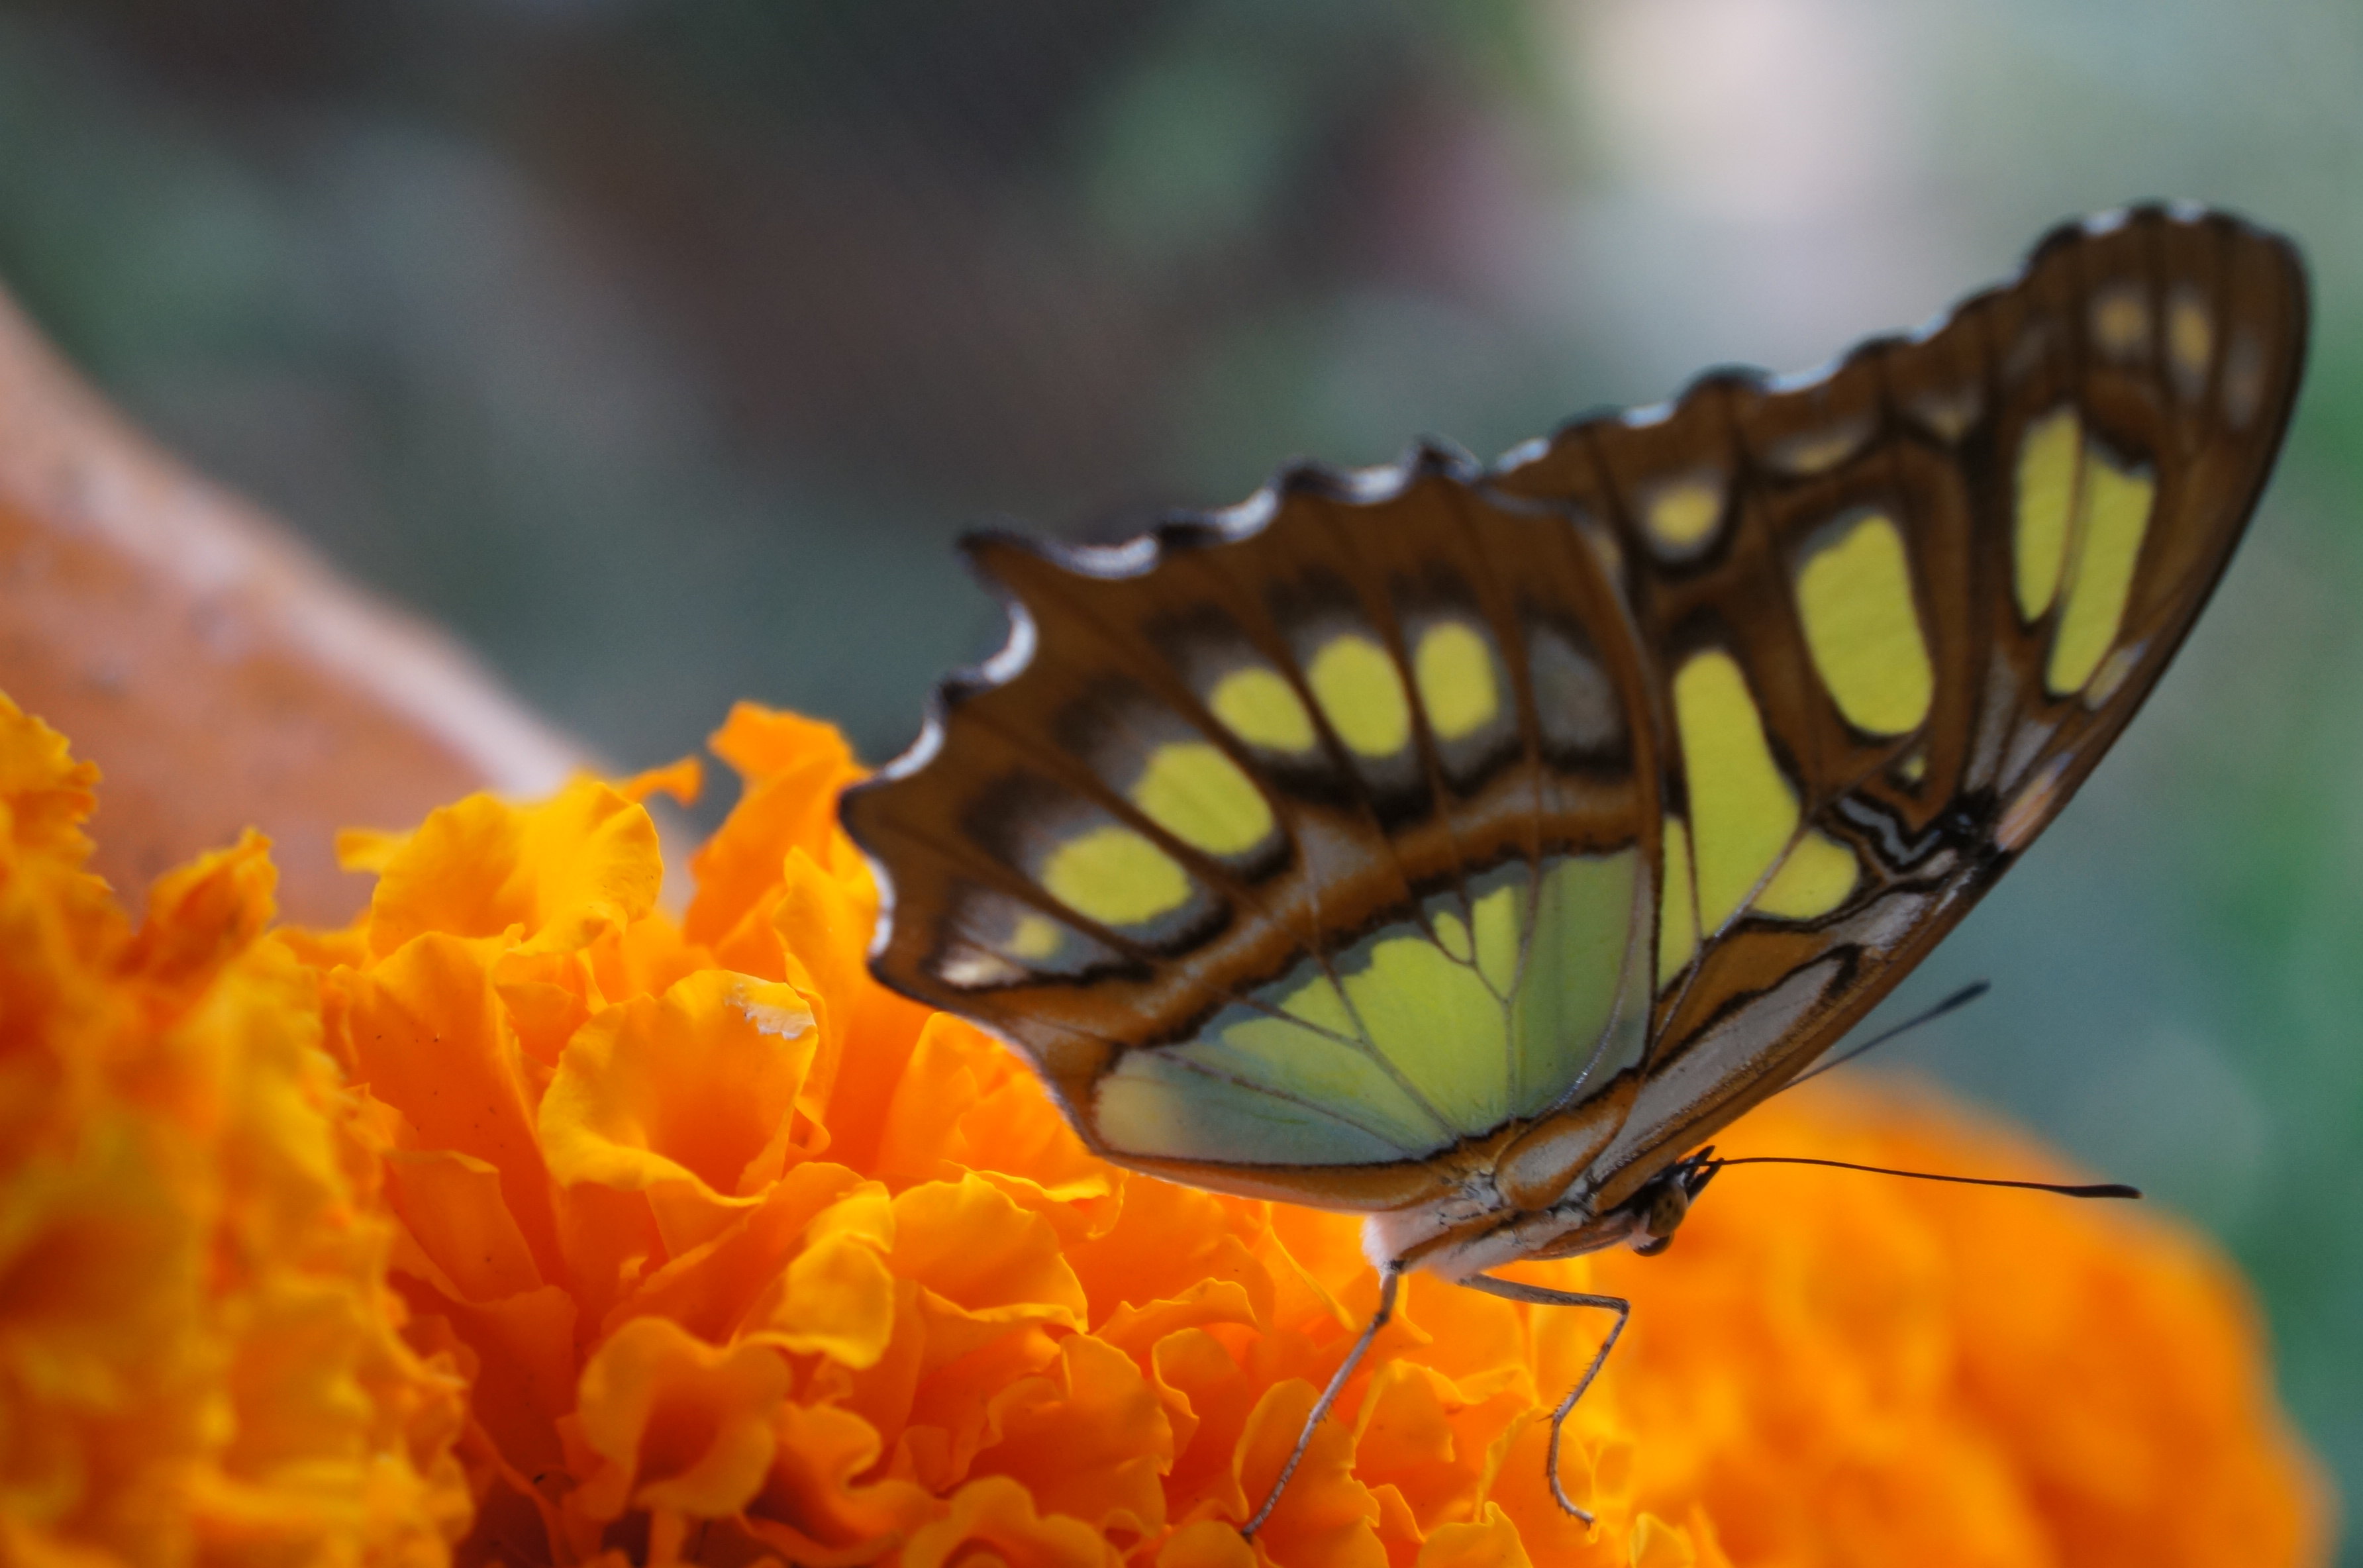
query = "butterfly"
{"x": 1465, "y": 846}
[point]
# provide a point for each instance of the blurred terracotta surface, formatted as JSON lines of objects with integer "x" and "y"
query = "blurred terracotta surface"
{"x": 219, "y": 674}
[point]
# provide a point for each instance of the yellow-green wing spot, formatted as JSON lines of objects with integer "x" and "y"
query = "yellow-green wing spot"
{"x": 1743, "y": 813}
{"x": 1815, "y": 451}
{"x": 2120, "y": 319}
{"x": 1257, "y": 704}
{"x": 991, "y": 939}
{"x": 1453, "y": 666}
{"x": 1816, "y": 878}
{"x": 2113, "y": 504}
{"x": 1036, "y": 936}
{"x": 2049, "y": 451}
{"x": 1115, "y": 876}
{"x": 2242, "y": 387}
{"x": 2189, "y": 342}
{"x": 1680, "y": 515}
{"x": 1201, "y": 797}
{"x": 1586, "y": 915}
{"x": 1155, "y": 1106}
{"x": 1359, "y": 689}
{"x": 1678, "y": 911}
{"x": 1498, "y": 919}
{"x": 1863, "y": 626}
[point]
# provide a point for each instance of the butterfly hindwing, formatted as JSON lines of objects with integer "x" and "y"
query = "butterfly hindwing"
{"x": 1325, "y": 822}
{"x": 1320, "y": 847}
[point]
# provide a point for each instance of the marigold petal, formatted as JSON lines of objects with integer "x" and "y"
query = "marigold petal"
{"x": 1473, "y": 1336}
{"x": 1429, "y": 1437}
{"x": 1209, "y": 1543}
{"x": 794, "y": 768}
{"x": 728, "y": 1284}
{"x": 48, "y": 794}
{"x": 1327, "y": 1518}
{"x": 837, "y": 1297}
{"x": 1491, "y": 1541}
{"x": 683, "y": 779}
{"x": 837, "y": 1300}
{"x": 876, "y": 1048}
{"x": 561, "y": 872}
{"x": 679, "y": 1423}
{"x": 451, "y": 1205}
{"x": 1398, "y": 1527}
{"x": 811, "y": 1509}
{"x": 524, "y": 1347}
{"x": 885, "y": 1392}
{"x": 325, "y": 949}
{"x": 1139, "y": 1330}
{"x": 825, "y": 926}
{"x": 984, "y": 1262}
{"x": 429, "y": 1038}
{"x": 1515, "y": 1477}
{"x": 547, "y": 997}
{"x": 1209, "y": 1400}
{"x": 647, "y": 958}
{"x": 98, "y": 1255}
{"x": 1015, "y": 1131}
{"x": 610, "y": 1245}
{"x": 1654, "y": 1543}
{"x": 366, "y": 850}
{"x": 992, "y": 1519}
{"x": 203, "y": 915}
{"x": 1089, "y": 1440}
{"x": 697, "y": 1087}
{"x": 937, "y": 1085}
{"x": 1166, "y": 1245}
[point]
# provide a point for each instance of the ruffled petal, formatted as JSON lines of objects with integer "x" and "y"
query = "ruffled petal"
{"x": 582, "y": 863}
{"x": 698, "y": 1090}
{"x": 993, "y": 1520}
{"x": 676, "y": 1423}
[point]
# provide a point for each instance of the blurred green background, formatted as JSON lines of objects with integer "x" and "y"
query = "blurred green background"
{"x": 661, "y": 349}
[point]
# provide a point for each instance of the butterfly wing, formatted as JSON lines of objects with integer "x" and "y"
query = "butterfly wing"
{"x": 1899, "y": 610}
{"x": 1316, "y": 848}
{"x": 1300, "y": 846}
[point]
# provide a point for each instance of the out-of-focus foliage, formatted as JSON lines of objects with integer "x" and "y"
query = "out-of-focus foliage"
{"x": 662, "y": 350}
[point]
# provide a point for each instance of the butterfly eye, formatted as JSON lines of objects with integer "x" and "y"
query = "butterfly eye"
{"x": 1669, "y": 1206}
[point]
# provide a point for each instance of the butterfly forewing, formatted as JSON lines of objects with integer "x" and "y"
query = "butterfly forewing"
{"x": 1318, "y": 847}
{"x": 1984, "y": 546}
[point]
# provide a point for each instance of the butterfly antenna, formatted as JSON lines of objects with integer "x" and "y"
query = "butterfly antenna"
{"x": 2064, "y": 1188}
{"x": 1953, "y": 1003}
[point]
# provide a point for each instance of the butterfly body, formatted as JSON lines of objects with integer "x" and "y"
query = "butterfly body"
{"x": 1462, "y": 845}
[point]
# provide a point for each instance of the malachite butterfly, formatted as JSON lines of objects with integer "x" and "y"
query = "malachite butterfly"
{"x": 1464, "y": 846}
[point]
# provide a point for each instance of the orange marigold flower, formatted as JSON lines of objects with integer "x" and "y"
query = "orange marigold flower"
{"x": 199, "y": 1358}
{"x": 750, "y": 1260}
{"x": 744, "y": 1260}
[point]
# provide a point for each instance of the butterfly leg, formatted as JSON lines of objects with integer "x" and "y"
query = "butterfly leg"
{"x": 1536, "y": 1296}
{"x": 1389, "y": 1278}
